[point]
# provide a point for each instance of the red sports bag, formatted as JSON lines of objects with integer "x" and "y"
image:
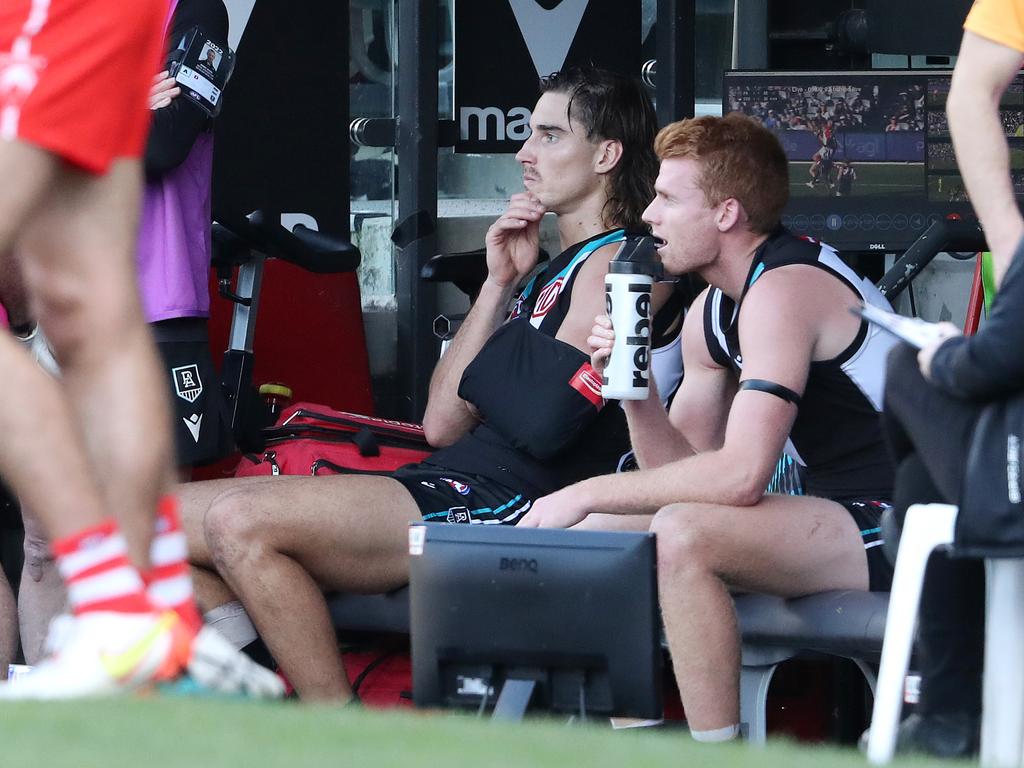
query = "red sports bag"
{"x": 310, "y": 439}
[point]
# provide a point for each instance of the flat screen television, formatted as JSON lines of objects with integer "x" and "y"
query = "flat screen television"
{"x": 871, "y": 161}
{"x": 569, "y": 617}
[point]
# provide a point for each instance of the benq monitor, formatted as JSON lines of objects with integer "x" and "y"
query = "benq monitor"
{"x": 571, "y": 617}
{"x": 871, "y": 162}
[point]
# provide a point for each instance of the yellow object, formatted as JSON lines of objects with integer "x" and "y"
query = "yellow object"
{"x": 121, "y": 666}
{"x": 276, "y": 390}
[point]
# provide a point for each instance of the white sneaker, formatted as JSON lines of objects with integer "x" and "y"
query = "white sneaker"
{"x": 57, "y": 633}
{"x": 105, "y": 653}
{"x": 217, "y": 665}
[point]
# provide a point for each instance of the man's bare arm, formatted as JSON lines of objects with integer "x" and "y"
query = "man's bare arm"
{"x": 512, "y": 251}
{"x": 983, "y": 71}
{"x": 448, "y": 416}
{"x": 758, "y": 424}
{"x": 699, "y": 411}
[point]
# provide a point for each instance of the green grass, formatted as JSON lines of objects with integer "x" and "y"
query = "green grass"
{"x": 206, "y": 733}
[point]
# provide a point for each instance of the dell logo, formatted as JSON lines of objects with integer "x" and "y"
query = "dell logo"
{"x": 518, "y": 564}
{"x": 876, "y": 246}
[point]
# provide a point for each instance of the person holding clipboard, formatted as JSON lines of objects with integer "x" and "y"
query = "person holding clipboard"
{"x": 936, "y": 394}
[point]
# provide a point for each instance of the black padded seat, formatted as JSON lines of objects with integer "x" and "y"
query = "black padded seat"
{"x": 841, "y": 622}
{"x": 370, "y": 613}
{"x": 846, "y": 623}
{"x": 838, "y": 622}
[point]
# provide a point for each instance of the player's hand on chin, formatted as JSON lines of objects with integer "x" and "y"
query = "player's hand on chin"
{"x": 561, "y": 509}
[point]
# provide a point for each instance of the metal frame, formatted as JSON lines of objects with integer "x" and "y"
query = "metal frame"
{"x": 676, "y": 45}
{"x": 417, "y": 144}
{"x": 750, "y": 34}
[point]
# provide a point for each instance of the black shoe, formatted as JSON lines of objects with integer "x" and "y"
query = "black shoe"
{"x": 949, "y": 734}
{"x": 952, "y": 735}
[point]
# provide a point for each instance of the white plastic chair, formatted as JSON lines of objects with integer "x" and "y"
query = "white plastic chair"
{"x": 928, "y": 527}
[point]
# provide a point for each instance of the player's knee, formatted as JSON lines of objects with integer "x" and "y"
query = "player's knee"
{"x": 79, "y": 313}
{"x": 683, "y": 544}
{"x": 232, "y": 530}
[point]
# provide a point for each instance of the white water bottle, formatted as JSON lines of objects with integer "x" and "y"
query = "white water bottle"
{"x": 628, "y": 302}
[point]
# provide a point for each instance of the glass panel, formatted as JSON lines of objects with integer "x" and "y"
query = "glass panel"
{"x": 714, "y": 47}
{"x": 371, "y": 94}
{"x": 372, "y": 62}
{"x": 470, "y": 177}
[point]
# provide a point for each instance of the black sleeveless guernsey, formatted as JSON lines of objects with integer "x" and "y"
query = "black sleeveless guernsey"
{"x": 837, "y": 434}
{"x": 604, "y": 441}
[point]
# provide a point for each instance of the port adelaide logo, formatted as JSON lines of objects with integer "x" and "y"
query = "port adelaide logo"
{"x": 187, "y": 383}
{"x": 516, "y": 42}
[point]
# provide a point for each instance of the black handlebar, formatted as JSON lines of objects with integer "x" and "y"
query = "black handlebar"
{"x": 944, "y": 235}
{"x": 467, "y": 270}
{"x": 307, "y": 248}
{"x": 229, "y": 249}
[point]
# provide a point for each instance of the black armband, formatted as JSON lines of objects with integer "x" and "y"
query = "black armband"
{"x": 763, "y": 385}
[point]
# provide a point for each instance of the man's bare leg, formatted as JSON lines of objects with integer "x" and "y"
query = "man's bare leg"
{"x": 196, "y": 500}
{"x": 220, "y": 606}
{"x": 785, "y": 545}
{"x": 78, "y": 262}
{"x": 279, "y": 544}
{"x": 42, "y": 454}
{"x": 41, "y": 442}
{"x": 8, "y": 624}
{"x": 12, "y": 292}
{"x": 35, "y": 170}
{"x": 42, "y": 437}
{"x": 212, "y": 593}
{"x": 41, "y": 595}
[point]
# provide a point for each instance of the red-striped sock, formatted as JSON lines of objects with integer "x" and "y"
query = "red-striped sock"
{"x": 99, "y": 576}
{"x": 168, "y": 583}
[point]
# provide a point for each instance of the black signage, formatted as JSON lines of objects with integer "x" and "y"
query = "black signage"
{"x": 502, "y": 48}
{"x": 894, "y": 26}
{"x": 280, "y": 140}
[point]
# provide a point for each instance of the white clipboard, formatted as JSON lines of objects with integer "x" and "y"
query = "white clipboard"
{"x": 913, "y": 330}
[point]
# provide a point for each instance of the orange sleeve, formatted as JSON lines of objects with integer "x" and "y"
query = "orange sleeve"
{"x": 1001, "y": 21}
